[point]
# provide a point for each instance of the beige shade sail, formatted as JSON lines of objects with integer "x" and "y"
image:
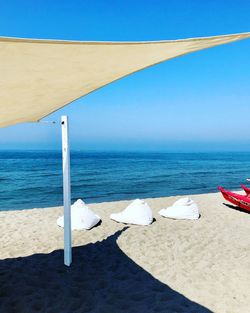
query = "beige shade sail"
{"x": 38, "y": 77}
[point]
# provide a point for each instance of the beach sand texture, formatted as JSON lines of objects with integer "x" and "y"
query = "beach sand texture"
{"x": 169, "y": 266}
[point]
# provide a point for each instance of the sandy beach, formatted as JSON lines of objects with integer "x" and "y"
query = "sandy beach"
{"x": 169, "y": 266}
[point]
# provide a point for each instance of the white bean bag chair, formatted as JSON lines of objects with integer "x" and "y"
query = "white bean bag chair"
{"x": 138, "y": 212}
{"x": 184, "y": 208}
{"x": 81, "y": 217}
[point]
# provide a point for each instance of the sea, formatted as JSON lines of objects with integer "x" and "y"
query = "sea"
{"x": 33, "y": 179}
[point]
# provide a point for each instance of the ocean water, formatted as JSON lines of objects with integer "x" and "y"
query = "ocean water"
{"x": 31, "y": 179}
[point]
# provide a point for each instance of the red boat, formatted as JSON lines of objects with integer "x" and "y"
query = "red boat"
{"x": 247, "y": 190}
{"x": 241, "y": 201}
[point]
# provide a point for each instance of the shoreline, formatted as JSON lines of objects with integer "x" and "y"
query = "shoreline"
{"x": 205, "y": 261}
{"x": 126, "y": 200}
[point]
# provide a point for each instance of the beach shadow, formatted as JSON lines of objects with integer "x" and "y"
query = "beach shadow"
{"x": 236, "y": 208}
{"x": 101, "y": 279}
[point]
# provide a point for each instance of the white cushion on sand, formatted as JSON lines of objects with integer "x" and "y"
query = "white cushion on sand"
{"x": 138, "y": 212}
{"x": 81, "y": 217}
{"x": 184, "y": 208}
{"x": 183, "y": 201}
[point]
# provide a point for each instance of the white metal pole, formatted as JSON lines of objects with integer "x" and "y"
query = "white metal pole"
{"x": 66, "y": 191}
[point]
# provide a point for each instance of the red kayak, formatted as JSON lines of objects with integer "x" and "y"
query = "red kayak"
{"x": 241, "y": 201}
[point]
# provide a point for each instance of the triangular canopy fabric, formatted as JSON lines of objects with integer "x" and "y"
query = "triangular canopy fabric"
{"x": 39, "y": 77}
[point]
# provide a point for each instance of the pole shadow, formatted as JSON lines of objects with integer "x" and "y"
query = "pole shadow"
{"x": 102, "y": 279}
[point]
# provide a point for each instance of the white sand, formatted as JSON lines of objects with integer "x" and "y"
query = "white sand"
{"x": 170, "y": 266}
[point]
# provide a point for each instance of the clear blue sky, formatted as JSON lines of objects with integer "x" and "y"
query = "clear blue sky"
{"x": 199, "y": 102}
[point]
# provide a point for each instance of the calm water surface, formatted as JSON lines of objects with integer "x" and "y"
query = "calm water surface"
{"x": 34, "y": 178}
